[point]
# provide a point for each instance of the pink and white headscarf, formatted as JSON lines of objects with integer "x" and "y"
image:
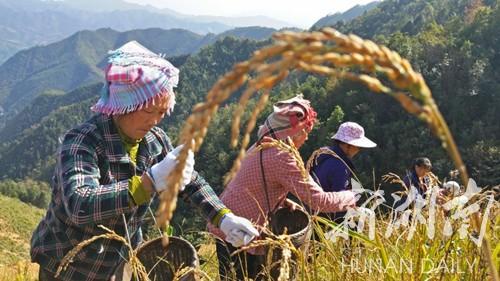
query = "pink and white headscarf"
{"x": 134, "y": 77}
{"x": 288, "y": 118}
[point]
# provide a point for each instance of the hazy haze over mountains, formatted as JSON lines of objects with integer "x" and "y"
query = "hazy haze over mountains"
{"x": 75, "y": 61}
{"x": 348, "y": 15}
{"x": 33, "y": 71}
{"x": 26, "y": 23}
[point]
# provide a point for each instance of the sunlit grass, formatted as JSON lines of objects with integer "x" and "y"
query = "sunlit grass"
{"x": 394, "y": 257}
{"x": 398, "y": 256}
{"x": 20, "y": 271}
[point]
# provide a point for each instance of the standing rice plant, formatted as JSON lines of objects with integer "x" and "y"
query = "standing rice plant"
{"x": 396, "y": 256}
{"x": 326, "y": 52}
{"x": 288, "y": 147}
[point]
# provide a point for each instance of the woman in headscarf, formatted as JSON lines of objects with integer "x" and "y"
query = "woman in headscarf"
{"x": 109, "y": 168}
{"x": 267, "y": 174}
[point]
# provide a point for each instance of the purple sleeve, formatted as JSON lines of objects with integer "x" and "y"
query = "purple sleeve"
{"x": 332, "y": 175}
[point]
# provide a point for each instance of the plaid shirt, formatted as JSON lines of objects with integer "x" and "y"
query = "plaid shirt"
{"x": 90, "y": 188}
{"x": 245, "y": 195}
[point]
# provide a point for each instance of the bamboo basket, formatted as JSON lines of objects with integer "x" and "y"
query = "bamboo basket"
{"x": 162, "y": 262}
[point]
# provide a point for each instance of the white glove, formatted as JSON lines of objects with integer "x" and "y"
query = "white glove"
{"x": 238, "y": 230}
{"x": 160, "y": 171}
{"x": 356, "y": 187}
{"x": 453, "y": 187}
{"x": 362, "y": 211}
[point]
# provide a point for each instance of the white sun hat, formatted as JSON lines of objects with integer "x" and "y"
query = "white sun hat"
{"x": 453, "y": 186}
{"x": 352, "y": 133}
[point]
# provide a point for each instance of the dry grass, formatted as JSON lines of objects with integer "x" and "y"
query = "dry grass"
{"x": 138, "y": 269}
{"x": 388, "y": 257}
{"x": 399, "y": 257}
{"x": 326, "y": 52}
{"x": 273, "y": 243}
{"x": 20, "y": 271}
{"x": 393, "y": 256}
{"x": 394, "y": 179}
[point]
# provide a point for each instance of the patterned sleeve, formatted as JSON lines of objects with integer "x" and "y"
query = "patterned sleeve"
{"x": 308, "y": 191}
{"x": 199, "y": 192}
{"x": 84, "y": 199}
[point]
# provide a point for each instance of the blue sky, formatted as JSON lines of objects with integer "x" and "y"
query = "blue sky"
{"x": 299, "y": 13}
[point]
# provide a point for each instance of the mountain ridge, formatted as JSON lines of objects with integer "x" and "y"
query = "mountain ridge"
{"x": 26, "y": 23}
{"x": 77, "y": 60}
{"x": 357, "y": 10}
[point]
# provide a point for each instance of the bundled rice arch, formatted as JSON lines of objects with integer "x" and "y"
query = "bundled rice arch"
{"x": 326, "y": 52}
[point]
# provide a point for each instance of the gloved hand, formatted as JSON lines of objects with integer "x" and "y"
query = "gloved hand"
{"x": 452, "y": 187}
{"x": 160, "y": 171}
{"x": 238, "y": 230}
{"x": 362, "y": 211}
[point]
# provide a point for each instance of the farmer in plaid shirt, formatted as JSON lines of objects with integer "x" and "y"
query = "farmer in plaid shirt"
{"x": 110, "y": 168}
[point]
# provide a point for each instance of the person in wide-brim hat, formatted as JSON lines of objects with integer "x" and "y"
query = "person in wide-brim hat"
{"x": 334, "y": 171}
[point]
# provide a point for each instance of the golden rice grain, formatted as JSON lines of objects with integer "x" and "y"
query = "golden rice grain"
{"x": 324, "y": 52}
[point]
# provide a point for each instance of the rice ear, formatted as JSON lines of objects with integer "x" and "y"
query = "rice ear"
{"x": 327, "y": 52}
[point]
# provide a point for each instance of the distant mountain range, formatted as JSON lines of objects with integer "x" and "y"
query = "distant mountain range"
{"x": 348, "y": 15}
{"x": 52, "y": 87}
{"x": 26, "y": 23}
{"x": 32, "y": 134}
{"x": 76, "y": 60}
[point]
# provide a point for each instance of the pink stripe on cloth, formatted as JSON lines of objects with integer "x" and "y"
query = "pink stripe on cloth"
{"x": 135, "y": 76}
{"x": 123, "y": 74}
{"x": 245, "y": 195}
{"x": 288, "y": 118}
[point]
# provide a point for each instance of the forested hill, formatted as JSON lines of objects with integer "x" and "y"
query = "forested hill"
{"x": 458, "y": 53}
{"x": 76, "y": 61}
{"x": 346, "y": 16}
{"x": 31, "y": 137}
{"x": 411, "y": 16}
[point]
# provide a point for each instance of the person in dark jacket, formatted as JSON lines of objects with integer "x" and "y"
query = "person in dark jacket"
{"x": 420, "y": 175}
{"x": 333, "y": 168}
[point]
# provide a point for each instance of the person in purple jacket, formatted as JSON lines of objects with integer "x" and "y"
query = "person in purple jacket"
{"x": 334, "y": 170}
